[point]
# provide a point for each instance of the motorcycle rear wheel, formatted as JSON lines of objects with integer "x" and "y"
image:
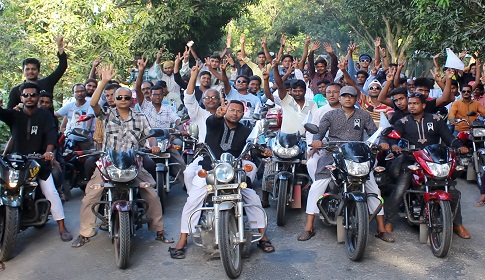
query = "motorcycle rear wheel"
{"x": 281, "y": 203}
{"x": 441, "y": 227}
{"x": 9, "y": 227}
{"x": 230, "y": 250}
{"x": 122, "y": 238}
{"x": 358, "y": 230}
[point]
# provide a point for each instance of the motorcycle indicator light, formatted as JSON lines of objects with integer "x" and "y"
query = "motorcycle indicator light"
{"x": 243, "y": 185}
{"x": 414, "y": 167}
{"x": 379, "y": 169}
{"x": 248, "y": 168}
{"x": 144, "y": 185}
{"x": 209, "y": 188}
{"x": 459, "y": 168}
{"x": 95, "y": 186}
{"x": 394, "y": 135}
{"x": 463, "y": 136}
{"x": 202, "y": 173}
{"x": 331, "y": 167}
{"x": 177, "y": 147}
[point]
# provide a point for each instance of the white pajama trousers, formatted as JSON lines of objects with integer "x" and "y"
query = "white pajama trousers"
{"x": 49, "y": 190}
{"x": 319, "y": 187}
{"x": 197, "y": 191}
{"x": 311, "y": 165}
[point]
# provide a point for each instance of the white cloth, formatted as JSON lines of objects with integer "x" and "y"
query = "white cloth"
{"x": 453, "y": 61}
{"x": 197, "y": 114}
{"x": 159, "y": 119}
{"x": 249, "y": 100}
{"x": 293, "y": 115}
{"x": 49, "y": 190}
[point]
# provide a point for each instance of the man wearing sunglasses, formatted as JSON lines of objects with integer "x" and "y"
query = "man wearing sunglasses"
{"x": 123, "y": 128}
{"x": 465, "y": 109}
{"x": 31, "y": 70}
{"x": 34, "y": 131}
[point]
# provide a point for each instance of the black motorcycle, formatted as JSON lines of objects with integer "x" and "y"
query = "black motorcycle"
{"x": 22, "y": 204}
{"x": 345, "y": 202}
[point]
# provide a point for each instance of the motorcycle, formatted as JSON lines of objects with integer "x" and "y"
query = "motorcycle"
{"x": 190, "y": 142}
{"x": 285, "y": 174}
{"x": 427, "y": 202}
{"x": 221, "y": 228}
{"x": 345, "y": 202}
{"x": 122, "y": 213}
{"x": 22, "y": 204}
{"x": 474, "y": 139}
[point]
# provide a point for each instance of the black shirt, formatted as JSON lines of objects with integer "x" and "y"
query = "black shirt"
{"x": 427, "y": 131}
{"x": 30, "y": 133}
{"x": 46, "y": 83}
{"x": 221, "y": 139}
{"x": 399, "y": 114}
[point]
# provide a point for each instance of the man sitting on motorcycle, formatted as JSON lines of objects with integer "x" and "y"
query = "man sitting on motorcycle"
{"x": 465, "y": 109}
{"x": 123, "y": 129}
{"x": 227, "y": 134}
{"x": 34, "y": 131}
{"x": 343, "y": 124}
{"x": 421, "y": 129}
{"x": 160, "y": 115}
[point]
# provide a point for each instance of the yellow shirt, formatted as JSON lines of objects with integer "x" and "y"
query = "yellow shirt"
{"x": 460, "y": 109}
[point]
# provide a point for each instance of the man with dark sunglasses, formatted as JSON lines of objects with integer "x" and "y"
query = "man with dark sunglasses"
{"x": 465, "y": 109}
{"x": 34, "y": 131}
{"x": 123, "y": 129}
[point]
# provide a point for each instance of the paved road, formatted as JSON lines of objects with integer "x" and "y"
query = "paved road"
{"x": 40, "y": 254}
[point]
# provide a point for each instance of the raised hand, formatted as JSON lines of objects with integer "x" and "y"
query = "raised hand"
{"x": 315, "y": 46}
{"x": 59, "y": 41}
{"x": 229, "y": 39}
{"x": 377, "y": 42}
{"x": 436, "y": 56}
{"x": 352, "y": 47}
{"x": 142, "y": 64}
{"x": 390, "y": 74}
{"x": 207, "y": 63}
{"x": 401, "y": 63}
{"x": 107, "y": 72}
{"x": 382, "y": 51}
{"x": 242, "y": 39}
{"x": 221, "y": 111}
{"x": 462, "y": 54}
{"x": 276, "y": 61}
{"x": 342, "y": 65}
{"x": 376, "y": 68}
{"x": 229, "y": 60}
{"x": 263, "y": 42}
{"x": 307, "y": 41}
{"x": 194, "y": 71}
{"x": 224, "y": 64}
{"x": 159, "y": 54}
{"x": 178, "y": 58}
{"x": 265, "y": 75}
{"x": 328, "y": 48}
{"x": 295, "y": 63}
{"x": 186, "y": 54}
{"x": 282, "y": 40}
{"x": 449, "y": 73}
{"x": 97, "y": 61}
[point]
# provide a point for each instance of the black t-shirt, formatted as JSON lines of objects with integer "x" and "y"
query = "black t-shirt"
{"x": 221, "y": 139}
{"x": 30, "y": 133}
{"x": 399, "y": 114}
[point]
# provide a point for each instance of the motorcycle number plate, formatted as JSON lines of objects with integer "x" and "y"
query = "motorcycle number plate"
{"x": 225, "y": 197}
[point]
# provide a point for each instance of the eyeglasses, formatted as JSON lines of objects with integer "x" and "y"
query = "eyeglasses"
{"x": 241, "y": 81}
{"x": 365, "y": 60}
{"x": 375, "y": 88}
{"x": 158, "y": 94}
{"x": 210, "y": 97}
{"x": 466, "y": 91}
{"x": 33, "y": 94}
{"x": 121, "y": 97}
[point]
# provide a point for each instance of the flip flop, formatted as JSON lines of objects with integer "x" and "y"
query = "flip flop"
{"x": 306, "y": 235}
{"x": 177, "y": 253}
{"x": 479, "y": 203}
{"x": 385, "y": 236}
{"x": 266, "y": 246}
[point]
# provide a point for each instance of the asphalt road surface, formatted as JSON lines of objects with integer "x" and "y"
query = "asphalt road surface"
{"x": 40, "y": 253}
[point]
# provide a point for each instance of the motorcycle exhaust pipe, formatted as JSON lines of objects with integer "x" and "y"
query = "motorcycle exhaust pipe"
{"x": 378, "y": 209}
{"x": 324, "y": 214}
{"x": 35, "y": 221}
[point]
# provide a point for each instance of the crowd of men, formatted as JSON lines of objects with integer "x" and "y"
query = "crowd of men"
{"x": 345, "y": 98}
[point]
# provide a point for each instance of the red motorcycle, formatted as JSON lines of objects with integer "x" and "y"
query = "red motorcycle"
{"x": 427, "y": 201}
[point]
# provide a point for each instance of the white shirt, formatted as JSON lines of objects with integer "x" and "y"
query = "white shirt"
{"x": 249, "y": 100}
{"x": 293, "y": 115}
{"x": 316, "y": 117}
{"x": 159, "y": 119}
{"x": 197, "y": 114}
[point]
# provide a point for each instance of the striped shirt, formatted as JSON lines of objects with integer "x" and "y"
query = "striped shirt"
{"x": 159, "y": 119}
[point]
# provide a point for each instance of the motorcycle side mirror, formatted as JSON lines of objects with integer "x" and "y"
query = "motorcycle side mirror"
{"x": 471, "y": 114}
{"x": 262, "y": 126}
{"x": 312, "y": 128}
{"x": 193, "y": 130}
{"x": 80, "y": 132}
{"x": 154, "y": 132}
{"x": 257, "y": 112}
{"x": 386, "y": 131}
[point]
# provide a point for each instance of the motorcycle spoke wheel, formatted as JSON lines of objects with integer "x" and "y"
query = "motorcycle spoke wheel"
{"x": 281, "y": 203}
{"x": 162, "y": 194}
{"x": 230, "y": 249}
{"x": 122, "y": 238}
{"x": 9, "y": 226}
{"x": 358, "y": 230}
{"x": 441, "y": 227}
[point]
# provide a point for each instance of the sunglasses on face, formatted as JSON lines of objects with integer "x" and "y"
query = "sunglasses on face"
{"x": 241, "y": 81}
{"x": 466, "y": 91}
{"x": 25, "y": 95}
{"x": 210, "y": 97}
{"x": 365, "y": 60}
{"x": 415, "y": 94}
{"x": 374, "y": 88}
{"x": 125, "y": 97}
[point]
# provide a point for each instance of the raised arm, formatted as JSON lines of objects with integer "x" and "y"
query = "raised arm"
{"x": 106, "y": 73}
{"x": 194, "y": 72}
{"x": 478, "y": 74}
{"x": 311, "y": 59}
{"x": 269, "y": 58}
{"x": 397, "y": 77}
{"x": 176, "y": 71}
{"x": 277, "y": 79}
{"x": 447, "y": 97}
{"x": 342, "y": 65}
{"x": 267, "y": 91}
{"x": 334, "y": 60}
{"x": 55, "y": 76}
{"x": 223, "y": 76}
{"x": 282, "y": 45}
{"x": 92, "y": 74}
{"x": 377, "y": 54}
{"x": 304, "y": 56}
{"x": 383, "y": 98}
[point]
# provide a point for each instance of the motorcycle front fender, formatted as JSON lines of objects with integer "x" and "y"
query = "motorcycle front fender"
{"x": 355, "y": 196}
{"x": 121, "y": 205}
{"x": 11, "y": 200}
{"x": 224, "y": 206}
{"x": 161, "y": 167}
{"x": 437, "y": 195}
{"x": 284, "y": 175}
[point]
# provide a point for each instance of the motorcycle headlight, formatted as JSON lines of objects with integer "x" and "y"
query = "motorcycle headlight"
{"x": 358, "y": 169}
{"x": 13, "y": 178}
{"x": 224, "y": 173}
{"x": 439, "y": 170}
{"x": 283, "y": 152}
{"x": 121, "y": 175}
{"x": 478, "y": 132}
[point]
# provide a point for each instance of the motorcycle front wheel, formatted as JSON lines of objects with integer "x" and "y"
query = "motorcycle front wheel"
{"x": 229, "y": 249}
{"x": 358, "y": 230}
{"x": 162, "y": 194}
{"x": 122, "y": 238}
{"x": 440, "y": 227}
{"x": 9, "y": 226}
{"x": 281, "y": 203}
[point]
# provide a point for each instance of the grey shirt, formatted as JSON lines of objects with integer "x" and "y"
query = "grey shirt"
{"x": 341, "y": 128}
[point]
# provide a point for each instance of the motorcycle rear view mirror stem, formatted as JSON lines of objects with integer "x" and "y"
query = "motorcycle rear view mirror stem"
{"x": 154, "y": 132}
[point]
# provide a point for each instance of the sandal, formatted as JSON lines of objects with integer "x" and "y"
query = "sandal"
{"x": 385, "y": 236}
{"x": 80, "y": 241}
{"x": 177, "y": 253}
{"x": 479, "y": 203}
{"x": 306, "y": 235}
{"x": 161, "y": 237}
{"x": 266, "y": 246}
